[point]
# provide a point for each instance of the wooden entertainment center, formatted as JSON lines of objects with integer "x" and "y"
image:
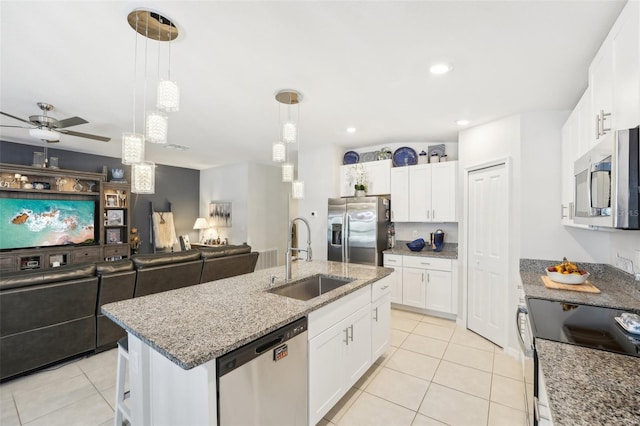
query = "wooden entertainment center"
{"x": 111, "y": 217}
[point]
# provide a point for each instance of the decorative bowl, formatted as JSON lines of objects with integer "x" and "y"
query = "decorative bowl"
{"x": 567, "y": 278}
{"x": 416, "y": 245}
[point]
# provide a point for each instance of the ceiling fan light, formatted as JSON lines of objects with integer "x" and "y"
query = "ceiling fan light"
{"x": 157, "y": 124}
{"x": 289, "y": 132}
{"x": 132, "y": 148}
{"x": 44, "y": 134}
{"x": 278, "y": 152}
{"x": 143, "y": 177}
{"x": 168, "y": 96}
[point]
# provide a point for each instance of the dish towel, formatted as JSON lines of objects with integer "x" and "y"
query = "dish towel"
{"x": 163, "y": 230}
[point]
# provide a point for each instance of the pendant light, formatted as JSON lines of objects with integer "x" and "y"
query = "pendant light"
{"x": 288, "y": 135}
{"x": 143, "y": 177}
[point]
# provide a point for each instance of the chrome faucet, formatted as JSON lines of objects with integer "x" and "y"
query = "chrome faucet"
{"x": 290, "y": 250}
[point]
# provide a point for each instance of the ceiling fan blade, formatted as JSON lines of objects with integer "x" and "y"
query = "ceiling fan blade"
{"x": 14, "y": 117}
{"x": 85, "y": 135}
{"x": 19, "y": 127}
{"x": 72, "y": 121}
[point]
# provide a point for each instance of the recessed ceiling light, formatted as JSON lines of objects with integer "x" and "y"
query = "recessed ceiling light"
{"x": 441, "y": 68}
{"x": 462, "y": 122}
{"x": 351, "y": 129}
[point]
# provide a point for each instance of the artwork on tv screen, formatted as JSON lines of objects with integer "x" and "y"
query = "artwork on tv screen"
{"x": 37, "y": 223}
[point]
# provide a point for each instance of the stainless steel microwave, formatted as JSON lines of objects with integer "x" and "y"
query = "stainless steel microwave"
{"x": 607, "y": 183}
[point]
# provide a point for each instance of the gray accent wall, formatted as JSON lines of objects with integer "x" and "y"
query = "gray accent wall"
{"x": 176, "y": 185}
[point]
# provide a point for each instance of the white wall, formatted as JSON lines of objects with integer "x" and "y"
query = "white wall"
{"x": 405, "y": 231}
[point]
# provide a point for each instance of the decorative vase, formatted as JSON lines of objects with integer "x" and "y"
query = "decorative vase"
{"x": 361, "y": 193}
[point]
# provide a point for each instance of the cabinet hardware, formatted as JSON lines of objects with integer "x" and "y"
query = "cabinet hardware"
{"x": 428, "y": 277}
{"x": 391, "y": 260}
{"x": 351, "y": 327}
{"x": 346, "y": 338}
{"x": 571, "y": 210}
{"x": 385, "y": 287}
{"x": 425, "y": 263}
{"x": 375, "y": 318}
{"x": 562, "y": 207}
{"x": 422, "y": 276}
{"x": 433, "y": 214}
{"x": 428, "y": 214}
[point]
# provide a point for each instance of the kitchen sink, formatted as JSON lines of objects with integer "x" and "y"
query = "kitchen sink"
{"x": 310, "y": 287}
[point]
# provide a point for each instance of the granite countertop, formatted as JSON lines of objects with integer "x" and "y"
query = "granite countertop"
{"x": 449, "y": 251}
{"x": 588, "y": 386}
{"x": 196, "y": 324}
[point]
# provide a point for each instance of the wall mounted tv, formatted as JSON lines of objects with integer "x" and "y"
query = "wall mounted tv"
{"x": 26, "y": 223}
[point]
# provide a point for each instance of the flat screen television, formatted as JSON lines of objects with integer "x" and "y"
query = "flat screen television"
{"x": 26, "y": 223}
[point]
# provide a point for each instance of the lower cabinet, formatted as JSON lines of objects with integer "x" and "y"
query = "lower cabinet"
{"x": 414, "y": 290}
{"x": 345, "y": 338}
{"x": 394, "y": 262}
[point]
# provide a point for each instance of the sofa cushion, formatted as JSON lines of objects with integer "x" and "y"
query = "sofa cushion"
{"x": 103, "y": 268}
{"x": 157, "y": 259}
{"x": 62, "y": 273}
{"x": 221, "y": 251}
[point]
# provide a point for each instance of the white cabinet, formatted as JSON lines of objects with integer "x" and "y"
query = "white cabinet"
{"x": 378, "y": 178}
{"x": 380, "y": 325}
{"x": 400, "y": 194}
{"x": 424, "y": 192}
{"x": 601, "y": 86}
{"x": 394, "y": 261}
{"x": 357, "y": 348}
{"x": 426, "y": 282}
{"x": 625, "y": 47}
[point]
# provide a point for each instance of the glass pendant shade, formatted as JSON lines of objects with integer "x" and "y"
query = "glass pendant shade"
{"x": 157, "y": 124}
{"x": 289, "y": 132}
{"x": 143, "y": 178}
{"x": 168, "y": 96}
{"x": 297, "y": 189}
{"x": 287, "y": 172}
{"x": 278, "y": 152}
{"x": 132, "y": 148}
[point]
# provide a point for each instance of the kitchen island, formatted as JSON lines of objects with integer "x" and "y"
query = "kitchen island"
{"x": 176, "y": 336}
{"x": 584, "y": 385}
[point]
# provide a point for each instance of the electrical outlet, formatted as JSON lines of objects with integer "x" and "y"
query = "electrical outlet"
{"x": 622, "y": 261}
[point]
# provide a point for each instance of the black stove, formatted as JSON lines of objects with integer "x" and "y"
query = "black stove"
{"x": 582, "y": 325}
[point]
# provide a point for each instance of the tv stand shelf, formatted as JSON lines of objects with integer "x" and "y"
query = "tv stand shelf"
{"x": 111, "y": 218}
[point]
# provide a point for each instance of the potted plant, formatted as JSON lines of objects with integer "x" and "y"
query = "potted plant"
{"x": 360, "y": 175}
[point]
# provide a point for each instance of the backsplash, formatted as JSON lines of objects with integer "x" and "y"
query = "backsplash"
{"x": 405, "y": 231}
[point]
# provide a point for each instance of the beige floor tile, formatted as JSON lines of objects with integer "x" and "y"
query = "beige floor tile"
{"x": 35, "y": 380}
{"x": 507, "y": 366}
{"x": 470, "y": 357}
{"x": 443, "y": 322}
{"x": 413, "y": 363}
{"x": 425, "y": 345}
{"x": 386, "y": 355}
{"x": 54, "y": 396}
{"x": 8, "y": 412}
{"x": 399, "y": 388}
{"x": 465, "y": 379}
{"x": 369, "y": 410}
{"x": 508, "y": 392}
{"x": 108, "y": 422}
{"x": 434, "y": 331}
{"x": 109, "y": 395}
{"x": 499, "y": 415}
{"x": 421, "y": 420}
{"x": 92, "y": 410}
{"x": 406, "y": 314}
{"x": 368, "y": 376}
{"x": 453, "y": 407}
{"x": 101, "y": 361}
{"x": 342, "y": 406}
{"x": 468, "y": 338}
{"x": 404, "y": 324}
{"x": 324, "y": 422}
{"x": 398, "y": 337}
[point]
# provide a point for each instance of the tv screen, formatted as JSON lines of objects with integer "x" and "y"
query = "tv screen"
{"x": 35, "y": 223}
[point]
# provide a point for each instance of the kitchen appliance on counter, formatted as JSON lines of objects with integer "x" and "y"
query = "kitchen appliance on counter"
{"x": 357, "y": 229}
{"x": 577, "y": 324}
{"x": 607, "y": 180}
{"x": 265, "y": 382}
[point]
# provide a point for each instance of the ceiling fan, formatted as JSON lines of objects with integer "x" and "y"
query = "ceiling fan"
{"x": 49, "y": 129}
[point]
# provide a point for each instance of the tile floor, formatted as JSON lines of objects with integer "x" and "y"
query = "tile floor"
{"x": 434, "y": 373}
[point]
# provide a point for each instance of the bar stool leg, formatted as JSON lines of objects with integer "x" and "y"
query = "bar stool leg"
{"x": 122, "y": 411}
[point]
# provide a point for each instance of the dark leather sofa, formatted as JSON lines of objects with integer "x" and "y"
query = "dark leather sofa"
{"x": 52, "y": 315}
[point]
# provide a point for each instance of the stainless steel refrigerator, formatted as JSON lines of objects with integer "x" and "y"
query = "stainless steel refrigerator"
{"x": 357, "y": 229}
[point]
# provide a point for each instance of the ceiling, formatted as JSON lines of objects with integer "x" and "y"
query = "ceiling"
{"x": 361, "y": 64}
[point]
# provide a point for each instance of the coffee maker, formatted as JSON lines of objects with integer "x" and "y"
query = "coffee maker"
{"x": 436, "y": 240}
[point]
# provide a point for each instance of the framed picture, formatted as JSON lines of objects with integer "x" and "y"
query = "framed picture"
{"x": 115, "y": 217}
{"x": 111, "y": 200}
{"x": 220, "y": 214}
{"x": 114, "y": 236}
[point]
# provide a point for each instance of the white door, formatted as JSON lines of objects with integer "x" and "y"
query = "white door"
{"x": 380, "y": 326}
{"x": 400, "y": 194}
{"x": 443, "y": 191}
{"x": 420, "y": 193}
{"x": 358, "y": 349}
{"x": 487, "y": 247}
{"x": 413, "y": 287}
{"x": 439, "y": 291}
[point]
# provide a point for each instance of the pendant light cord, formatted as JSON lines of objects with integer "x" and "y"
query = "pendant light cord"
{"x": 135, "y": 73}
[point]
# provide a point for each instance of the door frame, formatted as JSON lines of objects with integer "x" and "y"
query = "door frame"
{"x": 464, "y": 234}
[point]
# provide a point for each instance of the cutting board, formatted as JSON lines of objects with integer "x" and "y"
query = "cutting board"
{"x": 587, "y": 287}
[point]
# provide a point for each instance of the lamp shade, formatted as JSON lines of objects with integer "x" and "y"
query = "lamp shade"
{"x": 157, "y": 124}
{"x": 45, "y": 134}
{"x": 201, "y": 223}
{"x": 278, "y": 152}
{"x": 132, "y": 148}
{"x": 297, "y": 189}
{"x": 143, "y": 178}
{"x": 287, "y": 172}
{"x": 168, "y": 96}
{"x": 289, "y": 132}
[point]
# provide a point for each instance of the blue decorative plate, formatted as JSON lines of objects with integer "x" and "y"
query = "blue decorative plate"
{"x": 404, "y": 156}
{"x": 350, "y": 157}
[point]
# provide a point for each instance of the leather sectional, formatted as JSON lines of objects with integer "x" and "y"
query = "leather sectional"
{"x": 49, "y": 316}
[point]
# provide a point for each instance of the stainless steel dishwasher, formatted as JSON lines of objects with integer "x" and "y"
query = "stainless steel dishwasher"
{"x": 265, "y": 382}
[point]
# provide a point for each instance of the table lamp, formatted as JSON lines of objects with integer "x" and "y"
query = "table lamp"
{"x": 201, "y": 223}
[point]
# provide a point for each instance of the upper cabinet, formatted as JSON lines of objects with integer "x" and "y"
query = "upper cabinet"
{"x": 614, "y": 76}
{"x": 424, "y": 193}
{"x": 378, "y": 178}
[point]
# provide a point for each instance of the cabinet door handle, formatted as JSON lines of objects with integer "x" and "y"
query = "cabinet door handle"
{"x": 562, "y": 207}
{"x": 346, "y": 336}
{"x": 392, "y": 261}
{"x": 433, "y": 215}
{"x": 597, "y": 126}
{"x": 385, "y": 287}
{"x": 604, "y": 115}
{"x": 375, "y": 318}
{"x": 422, "y": 276}
{"x": 428, "y": 278}
{"x": 425, "y": 263}
{"x": 351, "y": 327}
{"x": 428, "y": 214}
